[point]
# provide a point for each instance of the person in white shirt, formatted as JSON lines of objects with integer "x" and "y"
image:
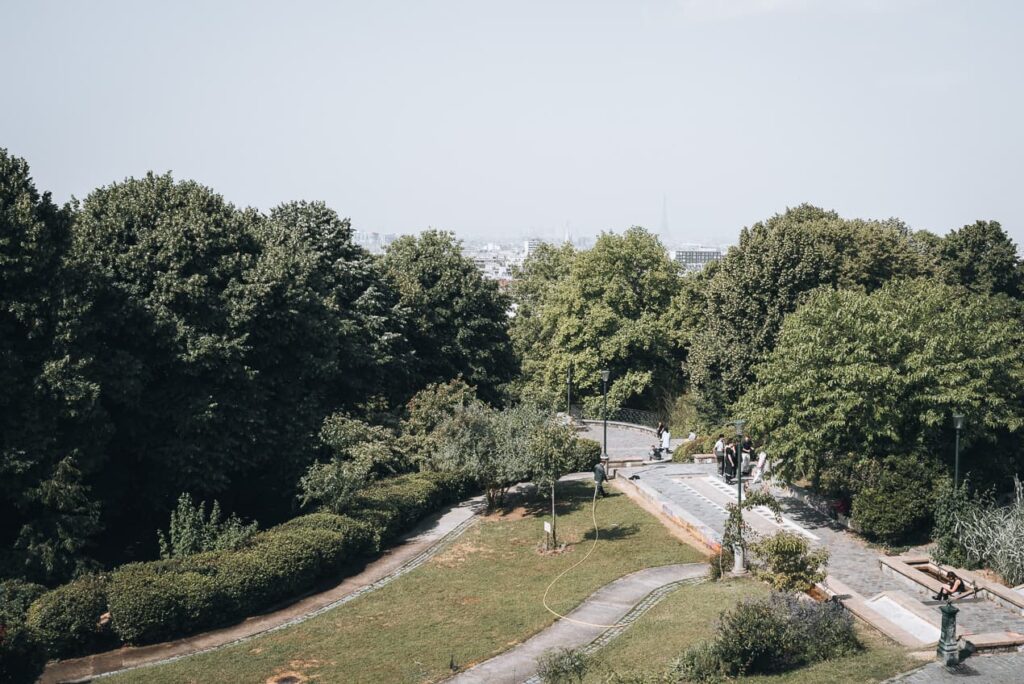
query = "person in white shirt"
{"x": 762, "y": 461}
{"x": 720, "y": 454}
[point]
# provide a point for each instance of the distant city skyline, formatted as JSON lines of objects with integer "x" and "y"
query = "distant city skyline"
{"x": 492, "y": 120}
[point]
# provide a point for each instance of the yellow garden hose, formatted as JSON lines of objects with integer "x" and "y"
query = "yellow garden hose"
{"x": 593, "y": 515}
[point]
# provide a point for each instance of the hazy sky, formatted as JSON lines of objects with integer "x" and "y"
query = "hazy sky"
{"x": 498, "y": 119}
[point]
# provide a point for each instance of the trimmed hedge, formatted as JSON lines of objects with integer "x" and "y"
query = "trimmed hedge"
{"x": 22, "y": 655}
{"x": 160, "y": 600}
{"x": 65, "y": 619}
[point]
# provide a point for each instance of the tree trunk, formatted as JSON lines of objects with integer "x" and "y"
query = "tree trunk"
{"x": 554, "y": 540}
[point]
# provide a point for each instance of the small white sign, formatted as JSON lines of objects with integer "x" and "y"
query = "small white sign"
{"x": 547, "y": 527}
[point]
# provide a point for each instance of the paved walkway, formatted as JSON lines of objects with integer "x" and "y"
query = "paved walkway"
{"x": 1002, "y": 668}
{"x": 613, "y": 604}
{"x": 409, "y": 553}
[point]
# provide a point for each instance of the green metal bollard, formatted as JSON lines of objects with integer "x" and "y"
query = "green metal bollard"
{"x": 948, "y": 649}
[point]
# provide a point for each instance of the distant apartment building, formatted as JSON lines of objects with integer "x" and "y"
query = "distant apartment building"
{"x": 372, "y": 241}
{"x": 531, "y": 245}
{"x": 696, "y": 258}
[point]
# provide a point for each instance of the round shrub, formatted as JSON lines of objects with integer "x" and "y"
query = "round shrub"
{"x": 782, "y": 632}
{"x": 898, "y": 500}
{"x": 66, "y": 619}
{"x": 788, "y": 563}
{"x": 152, "y": 602}
{"x": 586, "y": 453}
{"x": 22, "y": 655}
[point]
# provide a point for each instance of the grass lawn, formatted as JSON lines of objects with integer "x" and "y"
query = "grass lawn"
{"x": 471, "y": 601}
{"x": 688, "y": 615}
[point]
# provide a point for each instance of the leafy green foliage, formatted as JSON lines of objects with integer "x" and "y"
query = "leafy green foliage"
{"x": 457, "y": 322}
{"x": 425, "y": 412}
{"x": 778, "y": 633}
{"x": 603, "y": 308}
{"x": 982, "y": 258}
{"x": 22, "y": 655}
{"x": 192, "y": 531}
{"x": 776, "y": 263}
{"x": 858, "y": 393}
{"x": 787, "y": 562}
{"x": 563, "y": 666}
{"x": 66, "y": 619}
{"x": 47, "y": 447}
{"x": 166, "y": 599}
{"x": 973, "y": 531}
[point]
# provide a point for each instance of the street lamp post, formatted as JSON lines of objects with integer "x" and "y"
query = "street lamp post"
{"x": 958, "y": 423}
{"x": 604, "y": 411}
{"x": 739, "y": 562}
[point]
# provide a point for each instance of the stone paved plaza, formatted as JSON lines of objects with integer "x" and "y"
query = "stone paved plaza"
{"x": 696, "y": 497}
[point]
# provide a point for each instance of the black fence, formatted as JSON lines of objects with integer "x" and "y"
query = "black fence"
{"x": 623, "y": 415}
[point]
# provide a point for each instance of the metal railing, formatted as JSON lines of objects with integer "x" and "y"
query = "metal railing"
{"x": 624, "y": 415}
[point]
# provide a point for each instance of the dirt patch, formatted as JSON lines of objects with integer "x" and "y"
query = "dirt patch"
{"x": 567, "y": 548}
{"x": 459, "y": 553}
{"x": 509, "y": 514}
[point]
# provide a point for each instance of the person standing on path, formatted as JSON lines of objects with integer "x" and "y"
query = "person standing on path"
{"x": 600, "y": 475}
{"x": 720, "y": 454}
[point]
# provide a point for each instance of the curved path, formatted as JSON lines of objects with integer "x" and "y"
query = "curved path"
{"x": 616, "y": 603}
{"x": 410, "y": 552}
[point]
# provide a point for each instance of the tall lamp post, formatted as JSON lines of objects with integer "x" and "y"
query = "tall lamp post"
{"x": 958, "y": 423}
{"x": 604, "y": 411}
{"x": 739, "y": 563}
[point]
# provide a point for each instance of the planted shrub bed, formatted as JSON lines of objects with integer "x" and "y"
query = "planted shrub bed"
{"x": 166, "y": 599}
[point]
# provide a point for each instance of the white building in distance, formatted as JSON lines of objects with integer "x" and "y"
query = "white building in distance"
{"x": 694, "y": 257}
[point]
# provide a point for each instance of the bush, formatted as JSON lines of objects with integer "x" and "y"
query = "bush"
{"x": 166, "y": 599}
{"x": 22, "y": 655}
{"x": 66, "y": 618}
{"x": 782, "y": 632}
{"x": 788, "y": 562}
{"x": 191, "y": 531}
{"x": 700, "y": 663}
{"x": 973, "y": 531}
{"x": 564, "y": 666}
{"x": 586, "y": 453}
{"x": 720, "y": 563}
{"x": 897, "y": 502}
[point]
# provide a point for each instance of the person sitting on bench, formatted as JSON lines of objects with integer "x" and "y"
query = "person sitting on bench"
{"x": 953, "y": 586}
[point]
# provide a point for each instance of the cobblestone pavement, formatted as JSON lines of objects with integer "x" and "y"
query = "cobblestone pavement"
{"x": 690, "y": 492}
{"x": 1002, "y": 668}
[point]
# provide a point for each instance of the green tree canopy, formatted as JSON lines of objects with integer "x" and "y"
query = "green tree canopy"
{"x": 859, "y": 379}
{"x": 776, "y": 263}
{"x": 457, "y": 321}
{"x": 46, "y": 407}
{"x": 607, "y": 307}
{"x": 982, "y": 258}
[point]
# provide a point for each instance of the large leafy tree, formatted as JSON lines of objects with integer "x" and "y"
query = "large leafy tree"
{"x": 776, "y": 263}
{"x": 608, "y": 307}
{"x": 46, "y": 409}
{"x": 457, "y": 320}
{"x": 163, "y": 264}
{"x": 322, "y": 334}
{"x": 859, "y": 391}
{"x": 982, "y": 258}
